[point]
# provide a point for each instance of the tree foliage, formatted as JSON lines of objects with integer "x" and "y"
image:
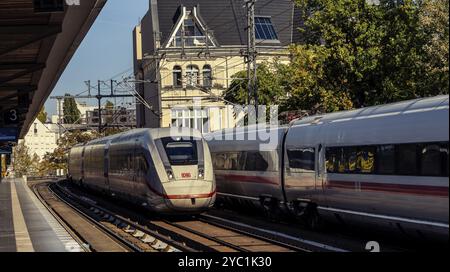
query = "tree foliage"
{"x": 70, "y": 110}
{"x": 42, "y": 115}
{"x": 376, "y": 53}
{"x": 357, "y": 54}
{"x": 59, "y": 158}
{"x": 269, "y": 87}
{"x": 22, "y": 160}
{"x": 25, "y": 164}
{"x": 434, "y": 20}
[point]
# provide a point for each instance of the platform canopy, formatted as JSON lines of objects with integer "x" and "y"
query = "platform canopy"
{"x": 38, "y": 38}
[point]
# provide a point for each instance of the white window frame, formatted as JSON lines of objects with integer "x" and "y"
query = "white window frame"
{"x": 191, "y": 118}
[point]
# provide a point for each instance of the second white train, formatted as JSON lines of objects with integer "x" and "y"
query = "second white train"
{"x": 384, "y": 166}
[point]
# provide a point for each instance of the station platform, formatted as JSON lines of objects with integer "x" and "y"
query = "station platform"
{"x": 26, "y": 225}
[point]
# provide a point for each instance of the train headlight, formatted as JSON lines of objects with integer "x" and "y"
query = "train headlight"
{"x": 201, "y": 173}
{"x": 170, "y": 174}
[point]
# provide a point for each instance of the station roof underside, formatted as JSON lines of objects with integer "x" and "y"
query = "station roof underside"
{"x": 35, "y": 47}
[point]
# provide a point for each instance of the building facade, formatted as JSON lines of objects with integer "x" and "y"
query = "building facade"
{"x": 41, "y": 138}
{"x": 186, "y": 53}
{"x": 117, "y": 117}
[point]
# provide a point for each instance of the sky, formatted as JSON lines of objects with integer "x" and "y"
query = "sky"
{"x": 106, "y": 51}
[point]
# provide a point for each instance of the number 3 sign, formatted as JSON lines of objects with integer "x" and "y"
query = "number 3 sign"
{"x": 11, "y": 117}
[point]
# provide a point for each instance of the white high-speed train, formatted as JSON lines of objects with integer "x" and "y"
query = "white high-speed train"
{"x": 163, "y": 170}
{"x": 384, "y": 166}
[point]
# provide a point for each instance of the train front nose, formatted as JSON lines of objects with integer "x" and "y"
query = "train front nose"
{"x": 190, "y": 195}
{"x": 188, "y": 183}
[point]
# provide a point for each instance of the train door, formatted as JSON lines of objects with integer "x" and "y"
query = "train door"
{"x": 83, "y": 158}
{"x": 135, "y": 171}
{"x": 106, "y": 166}
{"x": 141, "y": 169}
{"x": 320, "y": 173}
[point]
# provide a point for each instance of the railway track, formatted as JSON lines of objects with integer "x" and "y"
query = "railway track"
{"x": 88, "y": 233}
{"x": 107, "y": 232}
{"x": 195, "y": 234}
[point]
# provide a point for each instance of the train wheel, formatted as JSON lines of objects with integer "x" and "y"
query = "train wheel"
{"x": 270, "y": 208}
{"x": 312, "y": 219}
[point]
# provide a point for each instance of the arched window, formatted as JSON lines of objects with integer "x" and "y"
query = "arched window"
{"x": 207, "y": 76}
{"x": 192, "y": 73}
{"x": 177, "y": 77}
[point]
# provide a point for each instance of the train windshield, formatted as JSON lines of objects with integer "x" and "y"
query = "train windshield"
{"x": 181, "y": 152}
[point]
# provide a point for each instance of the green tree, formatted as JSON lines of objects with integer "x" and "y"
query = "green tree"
{"x": 434, "y": 20}
{"x": 59, "y": 158}
{"x": 70, "y": 110}
{"x": 45, "y": 167}
{"x": 42, "y": 115}
{"x": 358, "y": 53}
{"x": 22, "y": 160}
{"x": 306, "y": 84}
{"x": 371, "y": 53}
{"x": 269, "y": 88}
{"x": 34, "y": 166}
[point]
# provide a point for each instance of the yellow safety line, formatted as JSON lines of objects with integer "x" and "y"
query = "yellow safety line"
{"x": 23, "y": 240}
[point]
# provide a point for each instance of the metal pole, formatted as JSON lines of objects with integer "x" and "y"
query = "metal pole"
{"x": 112, "y": 87}
{"x": 59, "y": 119}
{"x": 99, "y": 97}
{"x": 251, "y": 56}
{"x": 254, "y": 52}
{"x": 249, "y": 69}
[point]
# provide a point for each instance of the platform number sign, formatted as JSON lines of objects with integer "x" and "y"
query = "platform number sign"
{"x": 11, "y": 117}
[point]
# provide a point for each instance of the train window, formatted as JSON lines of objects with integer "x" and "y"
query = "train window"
{"x": 331, "y": 160}
{"x": 350, "y": 159}
{"x": 219, "y": 161}
{"x": 385, "y": 162}
{"x": 425, "y": 159}
{"x": 430, "y": 156}
{"x": 142, "y": 164}
{"x": 444, "y": 159}
{"x": 366, "y": 160}
{"x": 255, "y": 162}
{"x": 340, "y": 160}
{"x": 242, "y": 156}
{"x": 303, "y": 159}
{"x": 232, "y": 162}
{"x": 407, "y": 162}
{"x": 183, "y": 152}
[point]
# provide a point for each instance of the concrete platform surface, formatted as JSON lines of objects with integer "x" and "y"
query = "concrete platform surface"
{"x": 26, "y": 225}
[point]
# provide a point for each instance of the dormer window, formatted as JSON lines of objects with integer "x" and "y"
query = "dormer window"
{"x": 265, "y": 29}
{"x": 190, "y": 32}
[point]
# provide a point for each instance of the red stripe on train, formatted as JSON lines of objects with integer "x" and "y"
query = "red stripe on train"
{"x": 249, "y": 179}
{"x": 351, "y": 185}
{"x": 190, "y": 196}
{"x": 208, "y": 195}
{"x": 391, "y": 188}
